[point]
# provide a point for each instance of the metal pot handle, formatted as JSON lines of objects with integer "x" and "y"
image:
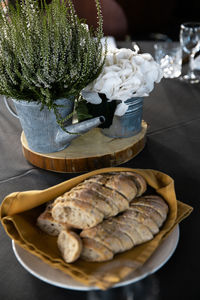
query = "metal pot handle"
{"x": 9, "y": 108}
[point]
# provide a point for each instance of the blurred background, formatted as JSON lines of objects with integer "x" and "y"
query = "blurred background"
{"x": 142, "y": 19}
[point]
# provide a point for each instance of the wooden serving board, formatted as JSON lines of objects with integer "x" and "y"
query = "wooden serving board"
{"x": 90, "y": 151}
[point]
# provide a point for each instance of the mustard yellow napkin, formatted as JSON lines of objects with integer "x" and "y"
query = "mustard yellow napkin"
{"x": 19, "y": 211}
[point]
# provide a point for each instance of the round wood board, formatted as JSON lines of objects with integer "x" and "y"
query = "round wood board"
{"x": 88, "y": 152}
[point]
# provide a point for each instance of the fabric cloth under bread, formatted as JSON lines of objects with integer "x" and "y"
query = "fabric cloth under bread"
{"x": 20, "y": 210}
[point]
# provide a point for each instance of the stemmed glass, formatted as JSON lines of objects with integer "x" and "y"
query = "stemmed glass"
{"x": 190, "y": 43}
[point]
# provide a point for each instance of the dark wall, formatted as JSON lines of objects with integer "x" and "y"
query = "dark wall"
{"x": 115, "y": 20}
{"x": 146, "y": 16}
{"x": 141, "y": 18}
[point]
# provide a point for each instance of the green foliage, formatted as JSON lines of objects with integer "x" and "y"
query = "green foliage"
{"x": 82, "y": 110}
{"x": 46, "y": 52}
{"x": 86, "y": 110}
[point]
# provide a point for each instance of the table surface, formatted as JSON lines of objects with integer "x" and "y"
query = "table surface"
{"x": 172, "y": 112}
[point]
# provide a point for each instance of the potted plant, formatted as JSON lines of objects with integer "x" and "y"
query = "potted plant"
{"x": 47, "y": 56}
{"x": 117, "y": 93}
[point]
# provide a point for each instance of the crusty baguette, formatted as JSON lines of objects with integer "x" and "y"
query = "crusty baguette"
{"x": 93, "y": 198}
{"x": 46, "y": 223}
{"x": 77, "y": 214}
{"x": 113, "y": 230}
{"x": 149, "y": 211}
{"x": 99, "y": 178}
{"x": 122, "y": 184}
{"x": 117, "y": 181}
{"x": 106, "y": 194}
{"x": 108, "y": 235}
{"x": 134, "y": 223}
{"x": 97, "y": 198}
{"x": 70, "y": 245}
{"x": 159, "y": 200}
{"x": 99, "y": 234}
{"x": 133, "y": 180}
{"x": 139, "y": 182}
{"x": 142, "y": 230}
{"x": 118, "y": 201}
{"x": 125, "y": 225}
{"x": 111, "y": 213}
{"x": 156, "y": 203}
{"x": 133, "y": 214}
{"x": 79, "y": 211}
{"x": 94, "y": 251}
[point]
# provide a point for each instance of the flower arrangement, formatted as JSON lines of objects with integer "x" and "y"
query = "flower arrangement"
{"x": 46, "y": 52}
{"x": 125, "y": 74}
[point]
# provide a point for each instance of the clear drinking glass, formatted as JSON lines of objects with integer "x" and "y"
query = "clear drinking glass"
{"x": 190, "y": 43}
{"x": 168, "y": 56}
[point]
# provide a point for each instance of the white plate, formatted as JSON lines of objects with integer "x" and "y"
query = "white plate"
{"x": 46, "y": 273}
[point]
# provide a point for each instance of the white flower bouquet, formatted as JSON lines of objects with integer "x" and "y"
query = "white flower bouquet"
{"x": 125, "y": 74}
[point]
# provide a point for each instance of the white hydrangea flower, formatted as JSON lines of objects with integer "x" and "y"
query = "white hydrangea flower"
{"x": 126, "y": 74}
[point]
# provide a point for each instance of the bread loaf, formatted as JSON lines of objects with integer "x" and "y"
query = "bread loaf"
{"x": 94, "y": 251}
{"x": 86, "y": 194}
{"x": 113, "y": 197}
{"x": 140, "y": 217}
{"x": 150, "y": 212}
{"x": 139, "y": 182}
{"x": 119, "y": 182}
{"x": 98, "y": 197}
{"x": 124, "y": 179}
{"x": 153, "y": 202}
{"x": 78, "y": 214}
{"x": 135, "y": 224}
{"x": 48, "y": 224}
{"x": 112, "y": 213}
{"x": 70, "y": 245}
{"x": 108, "y": 235}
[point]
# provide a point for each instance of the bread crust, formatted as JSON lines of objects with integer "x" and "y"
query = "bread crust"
{"x": 123, "y": 184}
{"x": 159, "y": 200}
{"x": 94, "y": 251}
{"x": 93, "y": 198}
{"x": 104, "y": 193}
{"x": 113, "y": 230}
{"x": 100, "y": 235}
{"x": 155, "y": 203}
{"x": 119, "y": 202}
{"x": 142, "y": 218}
{"x": 135, "y": 224}
{"x": 108, "y": 194}
{"x": 139, "y": 182}
{"x": 77, "y": 213}
{"x": 126, "y": 226}
{"x": 48, "y": 225}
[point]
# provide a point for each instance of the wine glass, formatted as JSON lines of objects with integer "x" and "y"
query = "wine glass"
{"x": 190, "y": 43}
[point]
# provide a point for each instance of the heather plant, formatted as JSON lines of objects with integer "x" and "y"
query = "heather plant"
{"x": 47, "y": 52}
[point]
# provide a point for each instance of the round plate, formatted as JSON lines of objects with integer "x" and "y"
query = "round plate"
{"x": 46, "y": 273}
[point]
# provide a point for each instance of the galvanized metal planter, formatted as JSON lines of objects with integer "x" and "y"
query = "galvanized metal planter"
{"x": 40, "y": 126}
{"x": 41, "y": 129}
{"x": 130, "y": 123}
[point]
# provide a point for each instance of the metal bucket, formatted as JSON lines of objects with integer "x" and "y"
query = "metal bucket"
{"x": 130, "y": 123}
{"x": 40, "y": 126}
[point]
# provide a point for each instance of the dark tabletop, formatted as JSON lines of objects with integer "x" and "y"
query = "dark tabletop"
{"x": 172, "y": 112}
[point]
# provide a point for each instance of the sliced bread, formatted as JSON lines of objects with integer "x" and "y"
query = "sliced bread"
{"x": 70, "y": 245}
{"x": 77, "y": 213}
